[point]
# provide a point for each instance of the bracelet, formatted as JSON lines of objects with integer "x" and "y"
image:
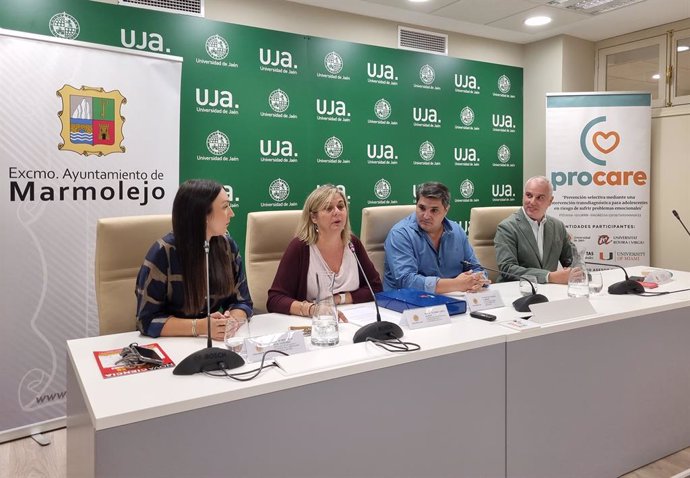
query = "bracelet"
{"x": 194, "y": 334}
{"x": 343, "y": 297}
{"x": 311, "y": 306}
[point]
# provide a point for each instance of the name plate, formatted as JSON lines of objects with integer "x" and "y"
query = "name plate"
{"x": 556, "y": 311}
{"x": 486, "y": 299}
{"x": 425, "y": 317}
{"x": 289, "y": 342}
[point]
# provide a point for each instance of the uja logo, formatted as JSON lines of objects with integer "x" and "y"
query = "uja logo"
{"x": 503, "y": 84}
{"x": 467, "y": 188}
{"x": 222, "y": 98}
{"x": 467, "y": 116}
{"x": 333, "y": 63}
{"x": 217, "y": 143}
{"x": 502, "y": 190}
{"x": 331, "y": 107}
{"x": 468, "y": 82}
{"x": 217, "y": 47}
{"x": 283, "y": 59}
{"x": 426, "y": 115}
{"x": 382, "y": 109}
{"x": 381, "y": 71}
{"x": 465, "y": 155}
{"x": 381, "y": 151}
{"x": 427, "y": 74}
{"x": 149, "y": 41}
{"x": 503, "y": 153}
{"x": 276, "y": 148}
{"x": 427, "y": 151}
{"x": 333, "y": 147}
{"x": 279, "y": 190}
{"x": 382, "y": 189}
{"x": 64, "y": 25}
{"x": 279, "y": 101}
{"x": 94, "y": 121}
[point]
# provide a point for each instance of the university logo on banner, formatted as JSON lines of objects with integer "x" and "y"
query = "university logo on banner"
{"x": 91, "y": 120}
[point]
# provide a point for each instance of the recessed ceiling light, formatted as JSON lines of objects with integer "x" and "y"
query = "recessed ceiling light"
{"x": 682, "y": 48}
{"x": 656, "y": 76}
{"x": 417, "y": 1}
{"x": 537, "y": 21}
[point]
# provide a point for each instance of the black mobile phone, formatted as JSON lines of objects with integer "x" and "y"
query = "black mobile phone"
{"x": 483, "y": 316}
{"x": 147, "y": 355}
{"x": 637, "y": 278}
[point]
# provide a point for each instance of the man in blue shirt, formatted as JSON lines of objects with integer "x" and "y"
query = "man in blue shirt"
{"x": 425, "y": 251}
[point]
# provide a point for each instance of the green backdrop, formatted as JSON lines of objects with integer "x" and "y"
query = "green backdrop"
{"x": 272, "y": 115}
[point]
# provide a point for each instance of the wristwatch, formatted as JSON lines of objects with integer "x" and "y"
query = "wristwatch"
{"x": 342, "y": 297}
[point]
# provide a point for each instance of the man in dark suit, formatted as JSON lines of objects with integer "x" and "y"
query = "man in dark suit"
{"x": 531, "y": 243}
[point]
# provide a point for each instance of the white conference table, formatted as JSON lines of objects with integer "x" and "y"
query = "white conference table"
{"x": 594, "y": 396}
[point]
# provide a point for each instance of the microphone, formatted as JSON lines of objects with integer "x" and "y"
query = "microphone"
{"x": 626, "y": 286}
{"x": 521, "y": 304}
{"x": 675, "y": 213}
{"x": 210, "y": 358}
{"x": 381, "y": 329}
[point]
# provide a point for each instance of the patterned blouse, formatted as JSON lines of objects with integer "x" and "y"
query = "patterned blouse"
{"x": 160, "y": 291}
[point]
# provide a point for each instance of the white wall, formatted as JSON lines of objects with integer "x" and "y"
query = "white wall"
{"x": 308, "y": 20}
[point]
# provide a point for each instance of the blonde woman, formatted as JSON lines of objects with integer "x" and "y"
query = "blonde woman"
{"x": 324, "y": 244}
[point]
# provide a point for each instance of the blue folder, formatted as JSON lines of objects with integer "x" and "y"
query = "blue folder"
{"x": 403, "y": 299}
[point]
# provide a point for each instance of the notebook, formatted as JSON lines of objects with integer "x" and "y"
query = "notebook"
{"x": 403, "y": 299}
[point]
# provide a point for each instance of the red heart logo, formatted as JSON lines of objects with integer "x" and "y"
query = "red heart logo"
{"x": 603, "y": 143}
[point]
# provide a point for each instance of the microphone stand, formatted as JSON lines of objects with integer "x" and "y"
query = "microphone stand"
{"x": 627, "y": 286}
{"x": 381, "y": 329}
{"x": 210, "y": 358}
{"x": 675, "y": 213}
{"x": 521, "y": 304}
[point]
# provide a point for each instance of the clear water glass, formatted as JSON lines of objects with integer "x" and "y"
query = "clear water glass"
{"x": 236, "y": 331}
{"x": 525, "y": 286}
{"x": 324, "y": 319}
{"x": 578, "y": 282}
{"x": 595, "y": 282}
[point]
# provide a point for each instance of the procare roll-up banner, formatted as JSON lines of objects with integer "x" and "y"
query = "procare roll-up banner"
{"x": 87, "y": 132}
{"x": 598, "y": 160}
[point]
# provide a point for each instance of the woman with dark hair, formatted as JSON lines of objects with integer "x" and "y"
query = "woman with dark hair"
{"x": 171, "y": 285}
{"x": 324, "y": 244}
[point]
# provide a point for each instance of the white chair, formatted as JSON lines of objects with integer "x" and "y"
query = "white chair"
{"x": 376, "y": 222}
{"x": 268, "y": 235}
{"x": 121, "y": 245}
{"x": 483, "y": 224}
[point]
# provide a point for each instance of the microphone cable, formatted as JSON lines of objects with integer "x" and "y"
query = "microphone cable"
{"x": 394, "y": 345}
{"x": 223, "y": 373}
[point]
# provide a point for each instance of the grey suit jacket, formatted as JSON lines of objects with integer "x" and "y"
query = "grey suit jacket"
{"x": 517, "y": 251}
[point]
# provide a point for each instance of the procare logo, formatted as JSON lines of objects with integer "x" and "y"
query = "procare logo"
{"x": 604, "y": 142}
{"x": 599, "y": 146}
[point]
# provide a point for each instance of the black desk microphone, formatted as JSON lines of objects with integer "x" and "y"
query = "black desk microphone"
{"x": 381, "y": 329}
{"x": 627, "y": 286}
{"x": 210, "y": 358}
{"x": 522, "y": 304}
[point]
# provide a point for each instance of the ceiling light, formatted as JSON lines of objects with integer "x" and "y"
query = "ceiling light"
{"x": 417, "y": 1}
{"x": 682, "y": 48}
{"x": 656, "y": 76}
{"x": 537, "y": 21}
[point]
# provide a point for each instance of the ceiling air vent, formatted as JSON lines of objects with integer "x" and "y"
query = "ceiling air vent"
{"x": 187, "y": 7}
{"x": 420, "y": 40}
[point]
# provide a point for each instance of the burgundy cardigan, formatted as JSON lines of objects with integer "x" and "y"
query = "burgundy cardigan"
{"x": 290, "y": 282}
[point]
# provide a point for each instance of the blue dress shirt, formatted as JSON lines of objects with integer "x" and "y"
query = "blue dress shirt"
{"x": 412, "y": 262}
